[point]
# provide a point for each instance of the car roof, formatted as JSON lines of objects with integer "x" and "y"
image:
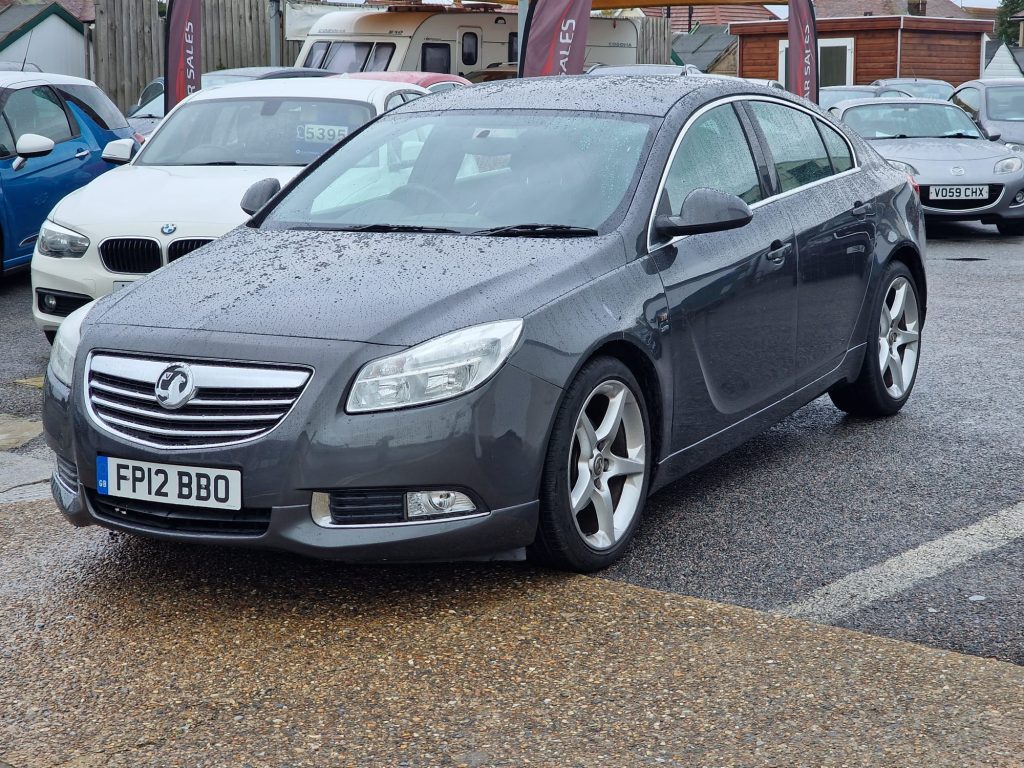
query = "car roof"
{"x": 900, "y": 102}
{"x": 260, "y": 72}
{"x": 653, "y": 95}
{"x": 897, "y": 80}
{"x": 302, "y": 87}
{"x": 993, "y": 82}
{"x": 10, "y": 79}
{"x": 416, "y": 78}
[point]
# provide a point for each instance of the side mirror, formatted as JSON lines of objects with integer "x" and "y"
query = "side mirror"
{"x": 705, "y": 210}
{"x": 31, "y": 145}
{"x": 995, "y": 136}
{"x": 259, "y": 194}
{"x": 119, "y": 151}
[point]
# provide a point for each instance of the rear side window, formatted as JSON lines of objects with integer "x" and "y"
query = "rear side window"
{"x": 37, "y": 110}
{"x": 838, "y": 149}
{"x": 95, "y": 104}
{"x": 799, "y": 154}
{"x": 714, "y": 153}
{"x": 436, "y": 57}
{"x": 470, "y": 48}
{"x": 969, "y": 100}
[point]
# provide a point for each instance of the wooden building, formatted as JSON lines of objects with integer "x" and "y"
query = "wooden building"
{"x": 858, "y": 50}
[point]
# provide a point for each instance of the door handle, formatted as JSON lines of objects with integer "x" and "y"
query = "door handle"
{"x": 860, "y": 210}
{"x": 778, "y": 251}
{"x": 82, "y": 154}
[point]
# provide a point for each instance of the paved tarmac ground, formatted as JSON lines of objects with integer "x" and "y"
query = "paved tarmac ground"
{"x": 116, "y": 651}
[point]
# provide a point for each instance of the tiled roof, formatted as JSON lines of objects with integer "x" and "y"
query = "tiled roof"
{"x": 846, "y": 8}
{"x": 704, "y": 46}
{"x": 83, "y": 10}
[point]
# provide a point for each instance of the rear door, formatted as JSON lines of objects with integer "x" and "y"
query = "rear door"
{"x": 32, "y": 191}
{"x": 731, "y": 295}
{"x": 832, "y": 206}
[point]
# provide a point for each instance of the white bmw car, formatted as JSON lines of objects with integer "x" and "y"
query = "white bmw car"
{"x": 183, "y": 188}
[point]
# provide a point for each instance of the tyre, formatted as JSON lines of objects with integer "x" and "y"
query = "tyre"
{"x": 597, "y": 470}
{"x": 889, "y": 370}
{"x": 1011, "y": 228}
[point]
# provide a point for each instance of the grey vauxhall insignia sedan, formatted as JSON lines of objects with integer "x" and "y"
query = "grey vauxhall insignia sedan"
{"x": 962, "y": 174}
{"x": 492, "y": 322}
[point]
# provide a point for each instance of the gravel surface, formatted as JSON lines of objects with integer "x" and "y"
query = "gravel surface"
{"x": 118, "y": 651}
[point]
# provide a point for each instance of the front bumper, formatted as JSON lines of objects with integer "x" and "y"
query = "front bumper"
{"x": 1004, "y": 206}
{"x": 491, "y": 441}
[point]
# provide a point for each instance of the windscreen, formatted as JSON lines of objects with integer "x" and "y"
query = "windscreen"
{"x": 927, "y": 90}
{"x": 910, "y": 121}
{"x": 467, "y": 172}
{"x": 827, "y": 97}
{"x": 268, "y": 131}
{"x": 1006, "y": 102}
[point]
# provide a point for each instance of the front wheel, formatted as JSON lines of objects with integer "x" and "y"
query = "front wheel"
{"x": 597, "y": 470}
{"x": 889, "y": 370}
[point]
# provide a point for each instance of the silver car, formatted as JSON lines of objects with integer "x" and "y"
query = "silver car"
{"x": 961, "y": 173}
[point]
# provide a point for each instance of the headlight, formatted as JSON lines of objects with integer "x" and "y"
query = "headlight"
{"x": 59, "y": 242}
{"x": 1009, "y": 165}
{"x": 438, "y": 369}
{"x": 62, "y": 356}
{"x": 905, "y": 167}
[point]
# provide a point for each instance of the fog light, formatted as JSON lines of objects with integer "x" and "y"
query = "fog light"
{"x": 420, "y": 504}
{"x": 50, "y": 302}
{"x": 1019, "y": 197}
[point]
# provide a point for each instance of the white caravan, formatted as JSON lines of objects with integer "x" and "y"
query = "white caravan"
{"x": 453, "y": 41}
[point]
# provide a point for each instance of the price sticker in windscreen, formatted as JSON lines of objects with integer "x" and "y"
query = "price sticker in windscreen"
{"x": 318, "y": 133}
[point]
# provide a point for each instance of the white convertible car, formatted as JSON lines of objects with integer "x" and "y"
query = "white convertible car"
{"x": 183, "y": 188}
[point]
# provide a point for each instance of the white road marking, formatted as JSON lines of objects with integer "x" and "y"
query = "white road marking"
{"x": 852, "y": 593}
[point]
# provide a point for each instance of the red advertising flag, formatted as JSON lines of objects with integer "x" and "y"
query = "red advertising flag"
{"x": 802, "y": 71}
{"x": 555, "y": 38}
{"x": 183, "y": 66}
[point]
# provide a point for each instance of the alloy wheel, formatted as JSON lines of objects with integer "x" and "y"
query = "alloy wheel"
{"x": 899, "y": 337}
{"x": 607, "y": 464}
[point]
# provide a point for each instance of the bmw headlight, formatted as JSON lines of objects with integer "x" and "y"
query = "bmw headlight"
{"x": 61, "y": 243}
{"x": 905, "y": 167}
{"x": 62, "y": 356}
{"x": 438, "y": 369}
{"x": 1009, "y": 165}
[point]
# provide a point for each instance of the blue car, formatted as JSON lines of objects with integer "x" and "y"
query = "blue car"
{"x": 53, "y": 129}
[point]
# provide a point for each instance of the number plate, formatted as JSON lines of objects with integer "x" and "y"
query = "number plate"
{"x": 321, "y": 134}
{"x": 958, "y": 193}
{"x": 169, "y": 483}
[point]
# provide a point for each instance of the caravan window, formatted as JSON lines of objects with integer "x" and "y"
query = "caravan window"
{"x": 436, "y": 57}
{"x": 513, "y": 46}
{"x": 314, "y": 59}
{"x": 381, "y": 57}
{"x": 470, "y": 47}
{"x": 356, "y": 57}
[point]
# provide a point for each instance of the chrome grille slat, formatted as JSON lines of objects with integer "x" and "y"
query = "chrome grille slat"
{"x": 164, "y": 415}
{"x": 234, "y": 402}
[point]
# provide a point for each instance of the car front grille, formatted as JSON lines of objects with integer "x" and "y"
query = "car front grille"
{"x": 67, "y": 473}
{"x": 366, "y": 507}
{"x": 232, "y": 403}
{"x": 180, "y": 248}
{"x": 168, "y": 517}
{"x": 131, "y": 255}
{"x": 994, "y": 191}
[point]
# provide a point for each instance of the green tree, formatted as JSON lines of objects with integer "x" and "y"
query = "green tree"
{"x": 1006, "y": 30}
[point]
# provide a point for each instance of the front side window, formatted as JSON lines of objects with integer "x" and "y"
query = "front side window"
{"x": 6, "y": 139}
{"x": 799, "y": 154}
{"x": 1006, "y": 102}
{"x": 436, "y": 57}
{"x": 39, "y": 111}
{"x": 466, "y": 171}
{"x": 911, "y": 121}
{"x": 94, "y": 103}
{"x": 713, "y": 153}
{"x": 394, "y": 100}
{"x": 269, "y": 131}
{"x": 968, "y": 99}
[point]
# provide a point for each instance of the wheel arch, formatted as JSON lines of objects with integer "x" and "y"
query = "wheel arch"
{"x": 911, "y": 256}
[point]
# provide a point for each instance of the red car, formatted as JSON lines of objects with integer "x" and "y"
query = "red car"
{"x": 435, "y": 82}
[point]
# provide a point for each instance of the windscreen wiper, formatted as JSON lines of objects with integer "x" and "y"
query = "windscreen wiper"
{"x": 537, "y": 230}
{"x": 958, "y": 135}
{"x": 377, "y": 228}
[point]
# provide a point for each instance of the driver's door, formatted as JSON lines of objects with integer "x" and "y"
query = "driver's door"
{"x": 731, "y": 295}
